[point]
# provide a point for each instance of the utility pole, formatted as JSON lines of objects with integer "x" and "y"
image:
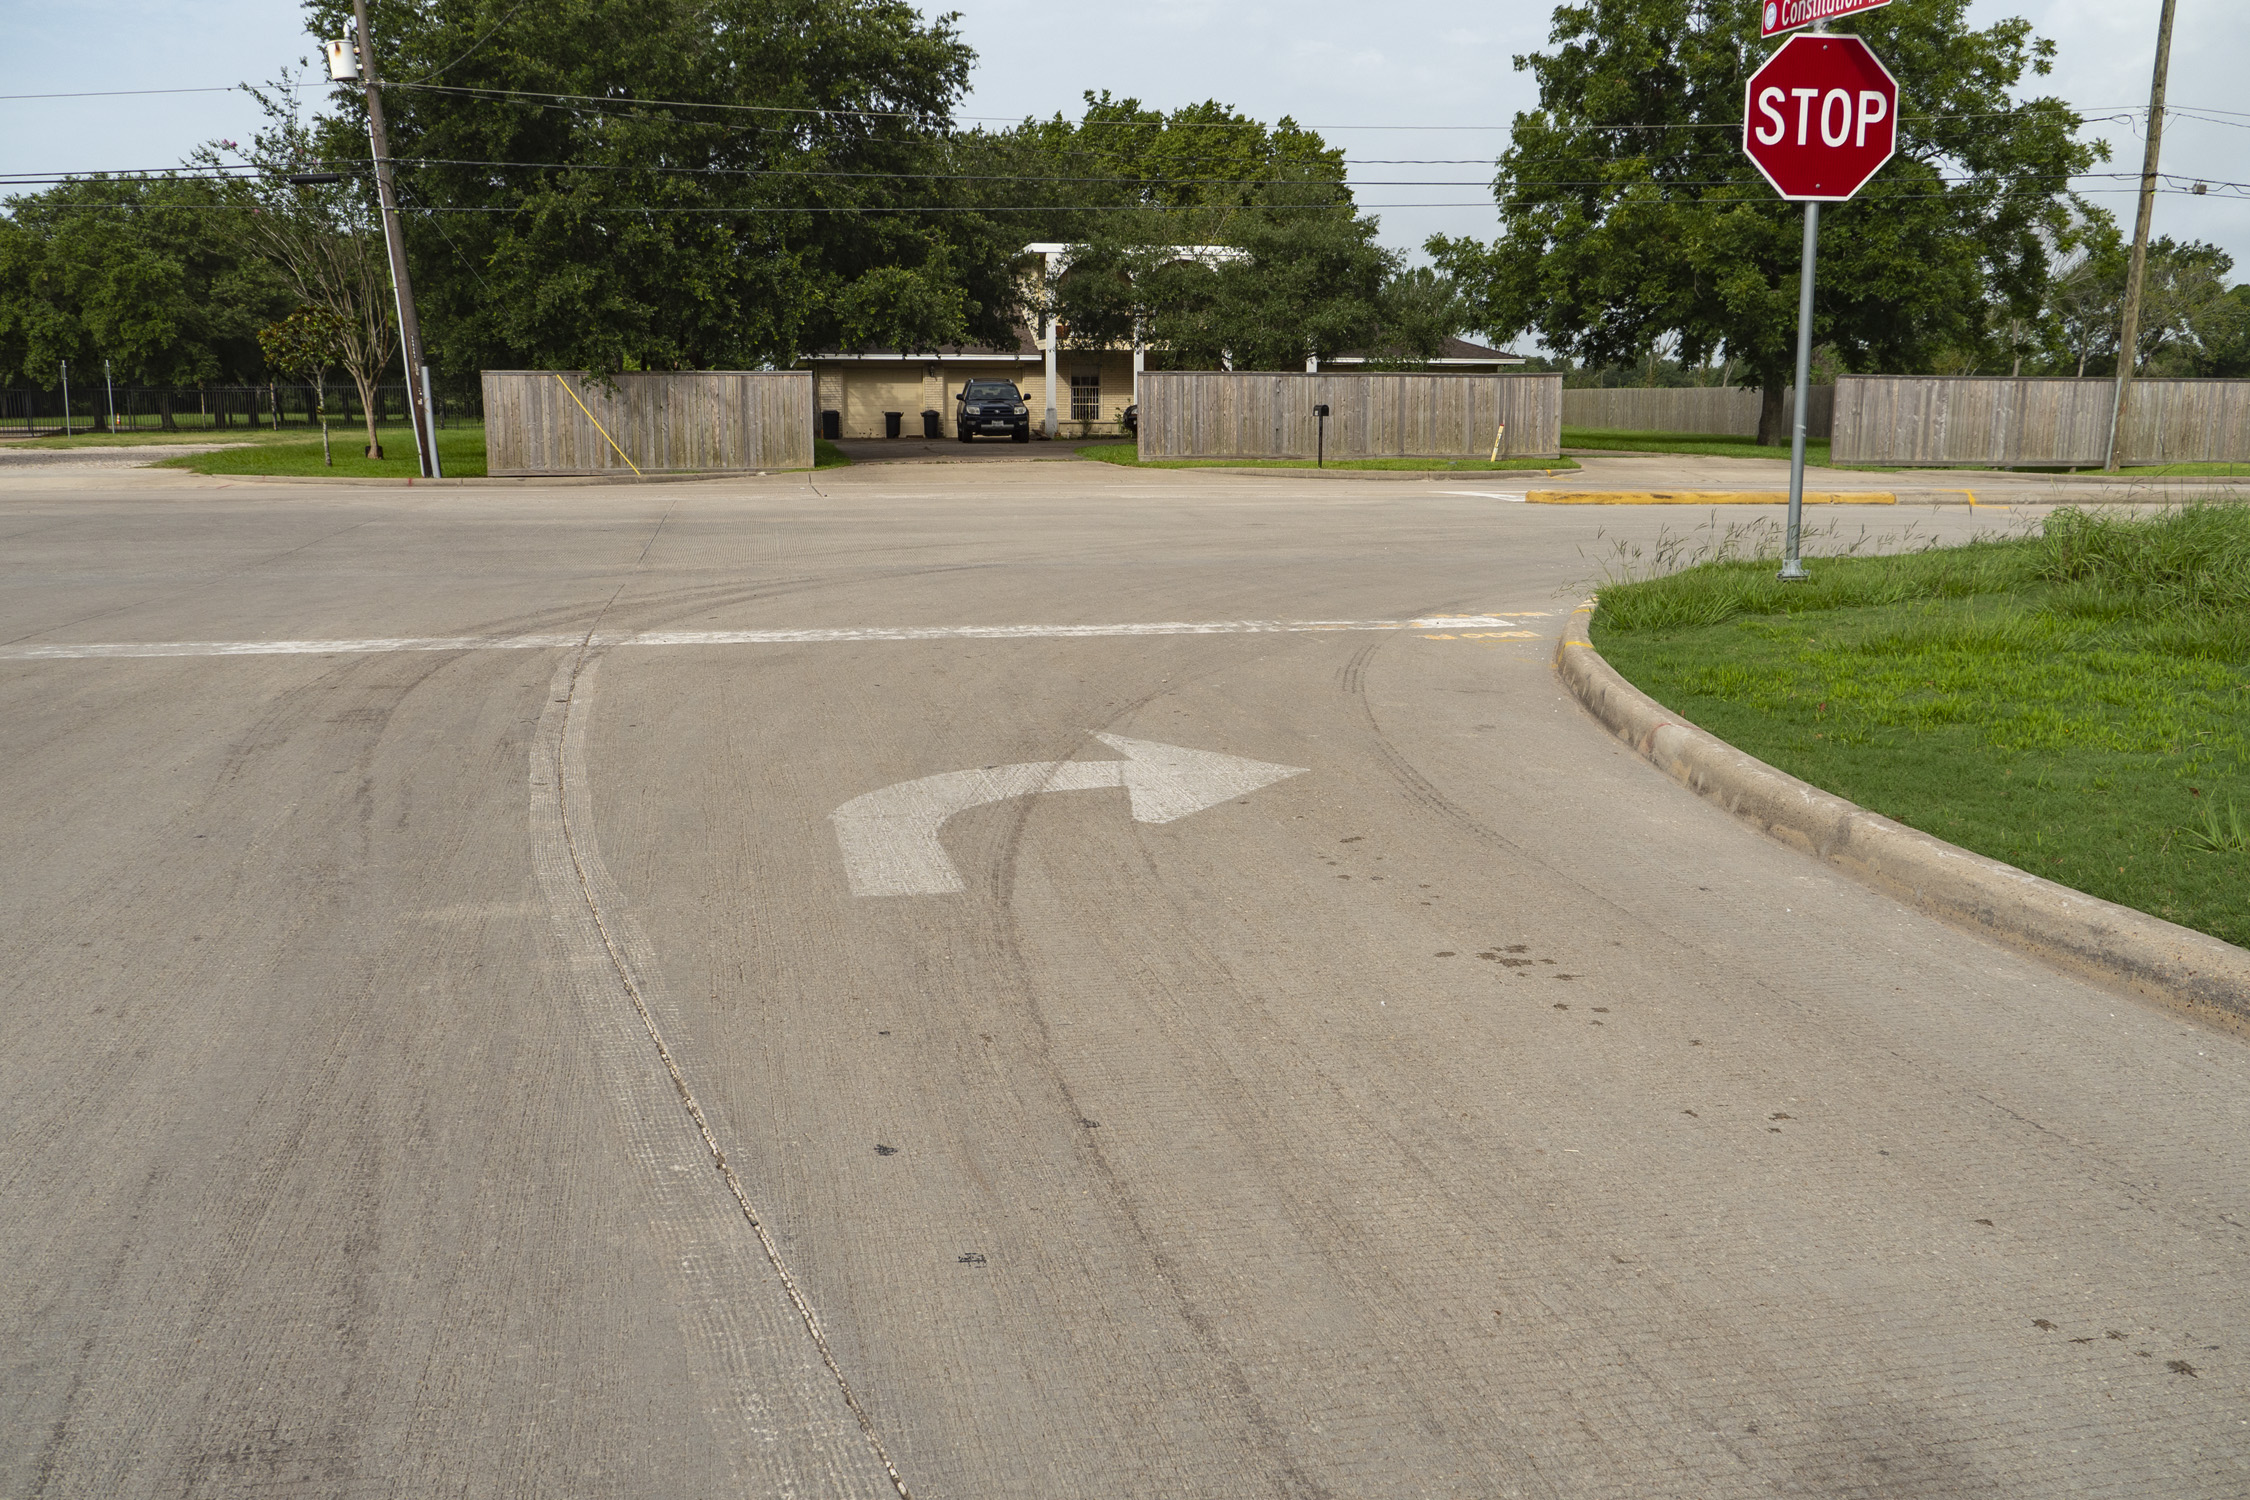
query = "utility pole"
{"x": 409, "y": 328}
{"x": 2129, "y": 329}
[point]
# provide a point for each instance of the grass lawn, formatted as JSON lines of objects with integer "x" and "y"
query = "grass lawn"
{"x": 460, "y": 455}
{"x": 1128, "y": 455}
{"x": 239, "y": 433}
{"x": 827, "y": 455}
{"x": 2075, "y": 702}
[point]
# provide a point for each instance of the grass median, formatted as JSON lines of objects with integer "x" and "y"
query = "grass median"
{"x": 460, "y": 455}
{"x": 1128, "y": 455}
{"x": 2075, "y": 702}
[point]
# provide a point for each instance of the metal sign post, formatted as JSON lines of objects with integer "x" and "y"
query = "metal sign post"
{"x": 1792, "y": 565}
{"x": 1819, "y": 119}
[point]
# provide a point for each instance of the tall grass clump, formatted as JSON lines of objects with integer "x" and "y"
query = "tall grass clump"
{"x": 1687, "y": 582}
{"x": 2194, "y": 561}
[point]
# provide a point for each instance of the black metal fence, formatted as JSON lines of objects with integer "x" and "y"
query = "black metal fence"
{"x": 213, "y": 407}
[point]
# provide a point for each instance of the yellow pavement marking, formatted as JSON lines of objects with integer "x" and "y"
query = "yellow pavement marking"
{"x": 1707, "y": 497}
{"x": 1487, "y": 635}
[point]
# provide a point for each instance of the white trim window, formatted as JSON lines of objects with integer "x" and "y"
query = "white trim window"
{"x": 1086, "y": 397}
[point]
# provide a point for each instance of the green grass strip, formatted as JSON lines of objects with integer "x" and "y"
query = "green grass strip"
{"x": 460, "y": 455}
{"x": 2075, "y": 702}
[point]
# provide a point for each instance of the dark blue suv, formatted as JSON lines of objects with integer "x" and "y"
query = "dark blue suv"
{"x": 992, "y": 406}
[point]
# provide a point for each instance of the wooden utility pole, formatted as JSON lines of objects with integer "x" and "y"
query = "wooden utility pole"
{"x": 409, "y": 328}
{"x": 2129, "y": 327}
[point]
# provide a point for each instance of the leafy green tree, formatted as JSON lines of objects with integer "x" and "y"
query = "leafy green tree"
{"x": 1264, "y": 290}
{"x": 559, "y": 215}
{"x": 2184, "y": 302}
{"x": 2225, "y": 334}
{"x": 1198, "y": 156}
{"x": 146, "y": 272}
{"x": 323, "y": 240}
{"x": 305, "y": 344}
{"x": 1629, "y": 213}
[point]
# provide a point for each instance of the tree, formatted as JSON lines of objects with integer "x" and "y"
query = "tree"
{"x": 324, "y": 240}
{"x": 2183, "y": 300}
{"x": 146, "y": 272}
{"x": 1628, "y": 211}
{"x": 616, "y": 184}
{"x": 1198, "y": 156}
{"x": 1264, "y": 289}
{"x": 2225, "y": 334}
{"x": 305, "y": 344}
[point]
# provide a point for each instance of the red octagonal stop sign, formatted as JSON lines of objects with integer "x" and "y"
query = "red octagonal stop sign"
{"x": 1820, "y": 117}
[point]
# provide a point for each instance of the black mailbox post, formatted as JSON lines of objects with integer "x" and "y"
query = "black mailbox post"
{"x": 1320, "y": 449}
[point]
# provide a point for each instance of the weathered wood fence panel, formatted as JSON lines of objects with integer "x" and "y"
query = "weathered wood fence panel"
{"x": 666, "y": 422}
{"x": 1238, "y": 414}
{"x": 1723, "y": 411}
{"x": 1934, "y": 421}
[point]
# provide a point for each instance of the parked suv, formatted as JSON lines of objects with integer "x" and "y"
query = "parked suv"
{"x": 992, "y": 406}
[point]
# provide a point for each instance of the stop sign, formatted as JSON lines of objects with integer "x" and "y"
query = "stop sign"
{"x": 1820, "y": 117}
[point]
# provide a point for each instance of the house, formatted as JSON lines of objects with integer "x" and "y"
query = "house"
{"x": 1092, "y": 386}
{"x": 1456, "y": 356}
{"x": 1072, "y": 393}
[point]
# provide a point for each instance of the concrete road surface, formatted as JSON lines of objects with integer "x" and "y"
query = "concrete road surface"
{"x": 442, "y": 1052}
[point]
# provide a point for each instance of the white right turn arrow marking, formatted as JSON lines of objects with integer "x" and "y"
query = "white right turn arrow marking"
{"x": 889, "y": 838}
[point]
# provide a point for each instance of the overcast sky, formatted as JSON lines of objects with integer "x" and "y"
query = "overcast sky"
{"x": 1361, "y": 73}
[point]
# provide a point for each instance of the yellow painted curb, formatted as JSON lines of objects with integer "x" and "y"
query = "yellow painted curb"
{"x": 1707, "y": 497}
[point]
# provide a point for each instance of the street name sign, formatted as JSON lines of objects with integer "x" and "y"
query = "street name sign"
{"x": 1821, "y": 117}
{"x": 1788, "y": 15}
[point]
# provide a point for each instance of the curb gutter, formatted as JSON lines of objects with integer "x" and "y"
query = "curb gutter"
{"x": 2147, "y": 956}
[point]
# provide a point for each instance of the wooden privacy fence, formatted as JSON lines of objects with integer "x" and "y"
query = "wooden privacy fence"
{"x": 1932, "y": 420}
{"x": 674, "y": 421}
{"x": 1725, "y": 411}
{"x": 1236, "y": 414}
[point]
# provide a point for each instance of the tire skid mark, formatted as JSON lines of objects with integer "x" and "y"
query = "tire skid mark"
{"x": 1268, "y": 1432}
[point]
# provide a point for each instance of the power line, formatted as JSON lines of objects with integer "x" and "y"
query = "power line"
{"x": 122, "y": 93}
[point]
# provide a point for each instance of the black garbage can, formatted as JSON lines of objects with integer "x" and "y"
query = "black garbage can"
{"x": 933, "y": 424}
{"x": 832, "y": 425}
{"x": 891, "y": 421}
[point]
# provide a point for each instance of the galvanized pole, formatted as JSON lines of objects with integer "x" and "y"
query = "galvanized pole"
{"x": 1792, "y": 566}
{"x": 2129, "y": 331}
{"x": 66, "y": 398}
{"x": 109, "y": 389}
{"x": 409, "y": 330}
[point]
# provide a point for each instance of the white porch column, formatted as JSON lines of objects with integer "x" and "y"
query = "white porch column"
{"x": 1051, "y": 341}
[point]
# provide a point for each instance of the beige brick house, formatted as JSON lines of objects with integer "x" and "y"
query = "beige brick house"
{"x": 1072, "y": 393}
{"x": 1092, "y": 387}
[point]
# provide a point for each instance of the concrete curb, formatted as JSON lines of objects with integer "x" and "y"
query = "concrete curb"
{"x": 2115, "y": 945}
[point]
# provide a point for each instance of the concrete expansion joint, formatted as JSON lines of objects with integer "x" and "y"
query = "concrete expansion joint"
{"x": 2144, "y": 956}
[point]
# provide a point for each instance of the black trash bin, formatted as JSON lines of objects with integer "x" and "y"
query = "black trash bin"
{"x": 832, "y": 425}
{"x": 891, "y": 421}
{"x": 933, "y": 424}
